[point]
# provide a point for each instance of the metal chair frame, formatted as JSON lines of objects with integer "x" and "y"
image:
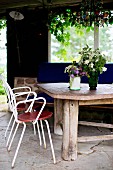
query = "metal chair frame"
{"x": 39, "y": 117}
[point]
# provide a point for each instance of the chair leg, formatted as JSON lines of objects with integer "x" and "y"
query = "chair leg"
{"x": 13, "y": 136}
{"x": 51, "y": 143}
{"x": 10, "y": 133}
{"x": 43, "y": 135}
{"x": 8, "y": 125}
{"x": 18, "y": 146}
{"x": 39, "y": 134}
{"x": 34, "y": 128}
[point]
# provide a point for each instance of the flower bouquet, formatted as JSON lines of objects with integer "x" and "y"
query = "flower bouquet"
{"x": 92, "y": 62}
{"x": 75, "y": 72}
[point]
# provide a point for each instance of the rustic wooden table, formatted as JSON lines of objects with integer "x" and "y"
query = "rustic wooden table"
{"x": 67, "y": 103}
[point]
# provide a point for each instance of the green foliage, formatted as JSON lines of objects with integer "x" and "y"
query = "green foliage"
{"x": 78, "y": 37}
{"x": 60, "y": 19}
{"x": 2, "y": 91}
{"x": 2, "y": 24}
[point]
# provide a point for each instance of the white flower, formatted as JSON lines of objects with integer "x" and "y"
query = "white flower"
{"x": 90, "y": 57}
{"x": 94, "y": 69}
{"x": 91, "y": 65}
{"x": 58, "y": 19}
{"x": 92, "y": 60}
{"x": 104, "y": 69}
{"x": 67, "y": 69}
{"x": 62, "y": 21}
{"x": 86, "y": 62}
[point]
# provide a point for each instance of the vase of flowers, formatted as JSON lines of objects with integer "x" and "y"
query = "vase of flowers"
{"x": 75, "y": 83}
{"x": 93, "y": 80}
{"x": 75, "y": 72}
{"x": 92, "y": 62}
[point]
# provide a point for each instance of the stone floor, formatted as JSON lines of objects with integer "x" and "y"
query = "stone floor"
{"x": 91, "y": 155}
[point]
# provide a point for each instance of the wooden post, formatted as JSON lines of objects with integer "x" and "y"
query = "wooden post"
{"x": 96, "y": 37}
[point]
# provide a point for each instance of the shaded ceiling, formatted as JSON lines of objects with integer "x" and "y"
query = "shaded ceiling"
{"x": 7, "y": 4}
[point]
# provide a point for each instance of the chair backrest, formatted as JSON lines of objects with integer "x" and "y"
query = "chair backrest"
{"x": 5, "y": 85}
{"x": 12, "y": 99}
{"x": 17, "y": 91}
{"x": 13, "y": 104}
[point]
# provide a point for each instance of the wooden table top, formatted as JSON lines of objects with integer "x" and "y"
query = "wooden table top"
{"x": 62, "y": 91}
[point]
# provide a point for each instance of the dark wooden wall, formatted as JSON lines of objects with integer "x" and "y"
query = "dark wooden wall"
{"x": 30, "y": 37}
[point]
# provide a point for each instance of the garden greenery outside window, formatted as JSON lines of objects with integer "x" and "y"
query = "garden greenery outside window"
{"x": 79, "y": 37}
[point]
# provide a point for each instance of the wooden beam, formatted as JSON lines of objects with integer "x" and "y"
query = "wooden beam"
{"x": 105, "y": 125}
{"x": 95, "y": 102}
{"x": 94, "y": 138}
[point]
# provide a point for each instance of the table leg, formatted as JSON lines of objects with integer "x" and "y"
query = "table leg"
{"x": 70, "y": 130}
{"x": 58, "y": 114}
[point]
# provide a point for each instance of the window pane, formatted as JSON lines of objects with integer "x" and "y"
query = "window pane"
{"x": 106, "y": 41}
{"x": 68, "y": 51}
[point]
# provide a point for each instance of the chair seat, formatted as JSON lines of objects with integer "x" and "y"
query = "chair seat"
{"x": 24, "y": 106}
{"x": 21, "y": 107}
{"x": 31, "y": 116}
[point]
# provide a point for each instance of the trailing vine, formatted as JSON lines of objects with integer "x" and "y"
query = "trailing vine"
{"x": 60, "y": 19}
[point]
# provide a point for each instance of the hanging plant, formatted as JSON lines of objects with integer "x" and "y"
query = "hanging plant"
{"x": 60, "y": 20}
{"x": 88, "y": 15}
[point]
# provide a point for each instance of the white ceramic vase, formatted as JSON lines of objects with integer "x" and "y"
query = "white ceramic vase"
{"x": 75, "y": 83}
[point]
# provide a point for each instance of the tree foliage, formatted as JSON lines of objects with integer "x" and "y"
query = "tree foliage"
{"x": 2, "y": 24}
{"x": 68, "y": 50}
{"x": 79, "y": 37}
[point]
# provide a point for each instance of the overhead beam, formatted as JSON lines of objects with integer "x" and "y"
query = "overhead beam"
{"x": 6, "y": 4}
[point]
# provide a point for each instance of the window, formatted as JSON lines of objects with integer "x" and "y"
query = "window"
{"x": 106, "y": 41}
{"x": 78, "y": 39}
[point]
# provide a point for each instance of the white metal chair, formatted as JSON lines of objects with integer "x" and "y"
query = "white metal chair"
{"x": 21, "y": 107}
{"x": 28, "y": 116}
